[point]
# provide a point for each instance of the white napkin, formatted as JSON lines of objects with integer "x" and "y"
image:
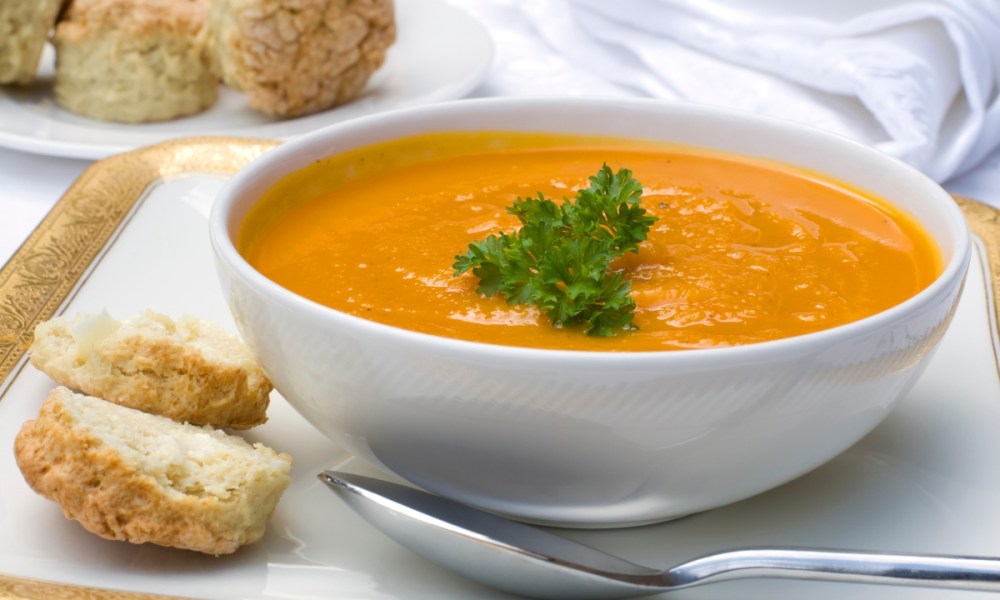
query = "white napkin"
{"x": 917, "y": 79}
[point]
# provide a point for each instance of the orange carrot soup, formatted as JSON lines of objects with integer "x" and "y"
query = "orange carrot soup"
{"x": 743, "y": 251}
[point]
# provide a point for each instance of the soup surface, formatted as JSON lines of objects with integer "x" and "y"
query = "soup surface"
{"x": 744, "y": 250}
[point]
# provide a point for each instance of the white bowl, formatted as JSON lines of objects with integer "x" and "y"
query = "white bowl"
{"x": 592, "y": 439}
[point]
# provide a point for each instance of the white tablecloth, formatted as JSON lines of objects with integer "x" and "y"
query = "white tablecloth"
{"x": 917, "y": 79}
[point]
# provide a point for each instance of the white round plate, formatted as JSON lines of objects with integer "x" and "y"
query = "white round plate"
{"x": 440, "y": 53}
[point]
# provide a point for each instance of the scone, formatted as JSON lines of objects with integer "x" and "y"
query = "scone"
{"x": 191, "y": 370}
{"x": 134, "y": 60}
{"x": 128, "y": 475}
{"x": 24, "y": 29}
{"x": 295, "y": 57}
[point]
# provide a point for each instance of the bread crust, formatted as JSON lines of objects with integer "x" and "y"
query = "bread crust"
{"x": 71, "y": 464}
{"x": 296, "y": 57}
{"x": 190, "y": 370}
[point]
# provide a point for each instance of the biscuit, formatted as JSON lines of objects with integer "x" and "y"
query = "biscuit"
{"x": 24, "y": 30}
{"x": 134, "y": 61}
{"x": 190, "y": 370}
{"x": 128, "y": 475}
{"x": 296, "y": 57}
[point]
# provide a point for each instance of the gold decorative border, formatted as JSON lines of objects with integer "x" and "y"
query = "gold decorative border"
{"x": 13, "y": 588}
{"x": 984, "y": 223}
{"x": 48, "y": 266}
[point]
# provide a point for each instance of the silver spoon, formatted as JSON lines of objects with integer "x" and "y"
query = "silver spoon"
{"x": 529, "y": 561}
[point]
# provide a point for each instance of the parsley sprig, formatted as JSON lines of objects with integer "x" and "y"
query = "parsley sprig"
{"x": 560, "y": 258}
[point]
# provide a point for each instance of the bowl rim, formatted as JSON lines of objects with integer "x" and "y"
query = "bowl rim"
{"x": 227, "y": 256}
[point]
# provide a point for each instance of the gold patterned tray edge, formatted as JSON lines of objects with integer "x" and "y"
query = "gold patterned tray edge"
{"x": 984, "y": 223}
{"x": 16, "y": 588}
{"x": 43, "y": 273}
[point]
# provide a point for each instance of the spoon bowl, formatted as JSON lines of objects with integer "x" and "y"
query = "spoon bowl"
{"x": 529, "y": 561}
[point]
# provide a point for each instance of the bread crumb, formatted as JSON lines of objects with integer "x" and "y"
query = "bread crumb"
{"x": 134, "y": 61}
{"x": 190, "y": 370}
{"x": 129, "y": 475}
{"x": 24, "y": 30}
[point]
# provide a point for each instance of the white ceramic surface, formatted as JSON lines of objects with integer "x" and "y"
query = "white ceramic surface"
{"x": 924, "y": 480}
{"x": 440, "y": 53}
{"x": 587, "y": 438}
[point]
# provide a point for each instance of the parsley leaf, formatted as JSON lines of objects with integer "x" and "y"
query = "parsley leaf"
{"x": 560, "y": 258}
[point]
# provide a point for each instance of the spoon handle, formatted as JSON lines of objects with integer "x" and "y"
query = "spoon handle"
{"x": 956, "y": 572}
